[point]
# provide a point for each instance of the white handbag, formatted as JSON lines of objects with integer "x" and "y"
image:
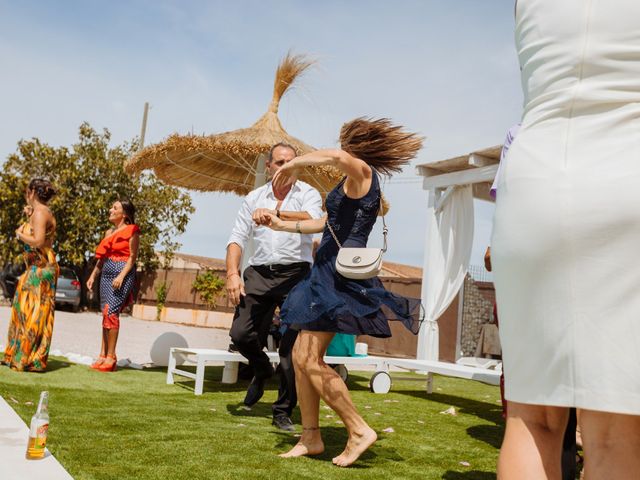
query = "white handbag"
{"x": 359, "y": 263}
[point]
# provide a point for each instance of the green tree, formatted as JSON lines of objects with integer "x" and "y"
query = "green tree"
{"x": 210, "y": 286}
{"x": 89, "y": 177}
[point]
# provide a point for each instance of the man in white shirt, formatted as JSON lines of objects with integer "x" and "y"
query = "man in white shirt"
{"x": 280, "y": 261}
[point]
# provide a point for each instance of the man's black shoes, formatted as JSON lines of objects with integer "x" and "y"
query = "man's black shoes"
{"x": 283, "y": 423}
{"x": 254, "y": 392}
{"x": 256, "y": 387}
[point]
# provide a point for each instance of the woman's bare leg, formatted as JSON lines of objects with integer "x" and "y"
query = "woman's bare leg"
{"x": 103, "y": 349}
{"x": 310, "y": 442}
{"x": 112, "y": 340}
{"x": 311, "y": 347}
{"x": 105, "y": 342}
{"x": 611, "y": 443}
{"x": 532, "y": 445}
{"x": 578, "y": 429}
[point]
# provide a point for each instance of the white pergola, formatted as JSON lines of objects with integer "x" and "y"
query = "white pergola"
{"x": 452, "y": 184}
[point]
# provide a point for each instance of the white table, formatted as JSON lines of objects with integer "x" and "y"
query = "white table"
{"x": 13, "y": 446}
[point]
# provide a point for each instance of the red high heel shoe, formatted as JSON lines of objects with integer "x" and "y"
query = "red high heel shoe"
{"x": 109, "y": 365}
{"x": 99, "y": 361}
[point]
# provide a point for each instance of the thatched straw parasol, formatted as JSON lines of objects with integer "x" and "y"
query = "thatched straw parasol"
{"x": 232, "y": 161}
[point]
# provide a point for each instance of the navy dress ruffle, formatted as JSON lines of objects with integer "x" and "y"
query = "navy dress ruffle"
{"x": 325, "y": 300}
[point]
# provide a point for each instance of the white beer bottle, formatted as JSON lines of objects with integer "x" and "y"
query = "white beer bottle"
{"x": 38, "y": 429}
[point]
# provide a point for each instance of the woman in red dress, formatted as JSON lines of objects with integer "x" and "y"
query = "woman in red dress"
{"x": 116, "y": 256}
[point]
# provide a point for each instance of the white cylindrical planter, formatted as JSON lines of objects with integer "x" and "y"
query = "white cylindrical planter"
{"x": 230, "y": 372}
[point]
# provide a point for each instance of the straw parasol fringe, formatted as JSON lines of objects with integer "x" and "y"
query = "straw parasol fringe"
{"x": 228, "y": 162}
{"x": 291, "y": 67}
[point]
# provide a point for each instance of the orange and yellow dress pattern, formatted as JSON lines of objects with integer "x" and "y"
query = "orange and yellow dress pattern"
{"x": 32, "y": 311}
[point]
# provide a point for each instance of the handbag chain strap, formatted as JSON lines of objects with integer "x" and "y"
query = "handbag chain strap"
{"x": 385, "y": 230}
{"x": 333, "y": 233}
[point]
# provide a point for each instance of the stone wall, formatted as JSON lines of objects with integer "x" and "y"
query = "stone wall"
{"x": 477, "y": 310}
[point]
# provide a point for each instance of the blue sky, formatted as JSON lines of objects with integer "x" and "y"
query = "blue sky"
{"x": 444, "y": 68}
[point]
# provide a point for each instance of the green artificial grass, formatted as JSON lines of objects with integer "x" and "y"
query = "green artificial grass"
{"x": 132, "y": 425}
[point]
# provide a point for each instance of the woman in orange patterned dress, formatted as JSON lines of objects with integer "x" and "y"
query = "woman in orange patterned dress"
{"x": 33, "y": 307}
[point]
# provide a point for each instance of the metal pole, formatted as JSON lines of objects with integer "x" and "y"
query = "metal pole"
{"x": 261, "y": 171}
{"x": 260, "y": 180}
{"x": 143, "y": 130}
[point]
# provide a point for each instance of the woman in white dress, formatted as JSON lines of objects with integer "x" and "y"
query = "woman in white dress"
{"x": 565, "y": 240}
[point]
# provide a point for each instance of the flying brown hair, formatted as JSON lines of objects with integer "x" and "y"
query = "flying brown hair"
{"x": 379, "y": 143}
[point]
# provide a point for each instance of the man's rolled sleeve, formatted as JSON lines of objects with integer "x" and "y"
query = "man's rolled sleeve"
{"x": 243, "y": 226}
{"x": 312, "y": 203}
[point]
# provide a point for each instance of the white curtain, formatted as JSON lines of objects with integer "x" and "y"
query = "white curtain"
{"x": 447, "y": 253}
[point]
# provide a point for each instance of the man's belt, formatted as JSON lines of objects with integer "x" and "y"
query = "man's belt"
{"x": 282, "y": 267}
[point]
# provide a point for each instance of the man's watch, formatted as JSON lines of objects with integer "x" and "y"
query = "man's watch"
{"x": 278, "y": 213}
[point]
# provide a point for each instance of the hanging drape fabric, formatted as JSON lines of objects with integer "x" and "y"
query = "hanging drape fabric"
{"x": 449, "y": 244}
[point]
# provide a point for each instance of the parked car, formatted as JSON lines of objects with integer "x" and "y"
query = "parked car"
{"x": 68, "y": 289}
{"x": 9, "y": 279}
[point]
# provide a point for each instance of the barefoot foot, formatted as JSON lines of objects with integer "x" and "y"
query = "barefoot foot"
{"x": 306, "y": 446}
{"x": 356, "y": 446}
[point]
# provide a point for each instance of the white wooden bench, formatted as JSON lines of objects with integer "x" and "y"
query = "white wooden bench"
{"x": 380, "y": 381}
{"x": 484, "y": 375}
{"x": 489, "y": 363}
{"x": 200, "y": 356}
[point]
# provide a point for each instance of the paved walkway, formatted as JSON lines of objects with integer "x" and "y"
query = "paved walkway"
{"x": 13, "y": 446}
{"x": 80, "y": 333}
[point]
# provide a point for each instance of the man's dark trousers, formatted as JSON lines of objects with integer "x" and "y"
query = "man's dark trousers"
{"x": 266, "y": 287}
{"x": 569, "y": 447}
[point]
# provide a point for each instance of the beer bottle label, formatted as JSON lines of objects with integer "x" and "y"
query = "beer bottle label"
{"x": 39, "y": 430}
{"x": 42, "y": 431}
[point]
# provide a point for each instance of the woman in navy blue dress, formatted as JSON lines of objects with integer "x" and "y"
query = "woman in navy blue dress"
{"x": 325, "y": 302}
